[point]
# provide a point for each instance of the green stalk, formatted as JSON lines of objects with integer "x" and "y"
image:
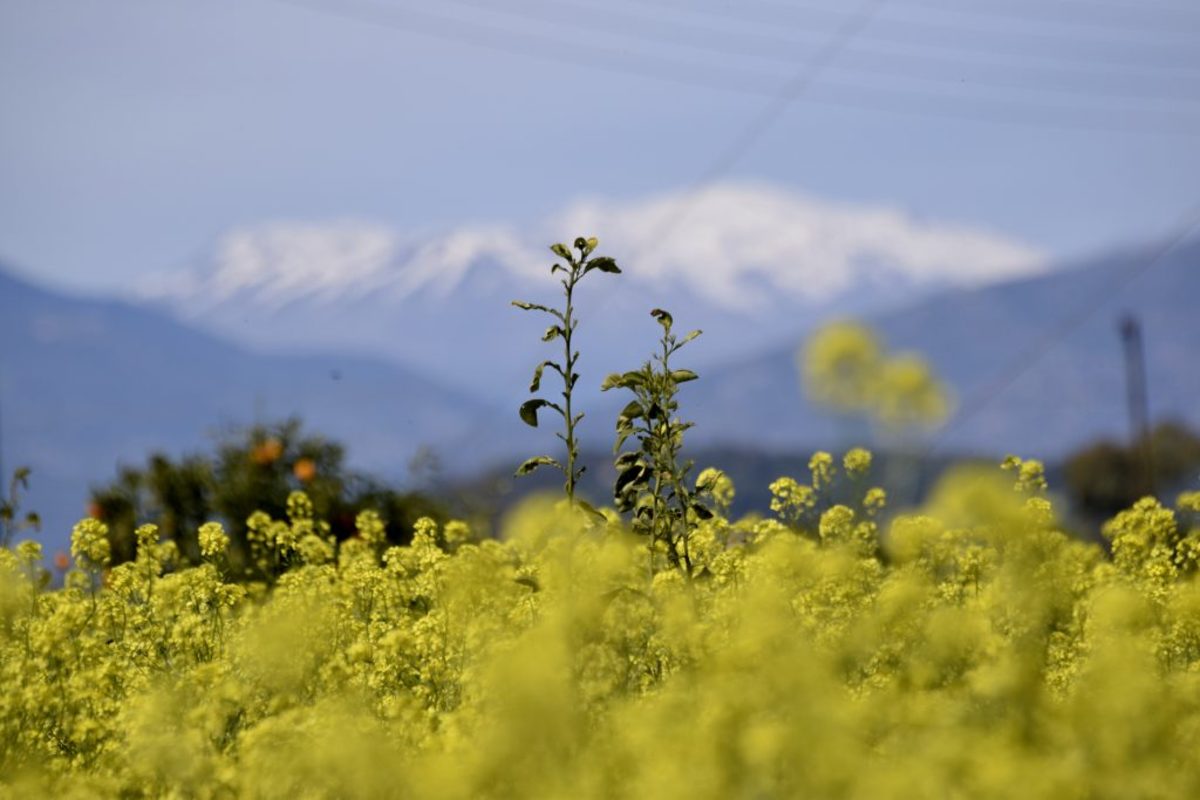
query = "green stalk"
{"x": 645, "y": 475}
{"x": 568, "y": 384}
{"x": 577, "y": 267}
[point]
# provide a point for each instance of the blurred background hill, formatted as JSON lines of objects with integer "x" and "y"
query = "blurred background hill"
{"x": 90, "y": 383}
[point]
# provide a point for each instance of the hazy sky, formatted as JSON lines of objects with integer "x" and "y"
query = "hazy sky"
{"x": 134, "y": 132}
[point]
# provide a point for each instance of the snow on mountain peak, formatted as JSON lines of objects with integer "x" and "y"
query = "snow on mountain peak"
{"x": 278, "y": 262}
{"x": 742, "y": 244}
{"x": 442, "y": 263}
{"x": 739, "y": 245}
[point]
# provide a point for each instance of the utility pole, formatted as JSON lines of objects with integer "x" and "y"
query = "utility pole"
{"x": 1136, "y": 396}
{"x": 3, "y": 475}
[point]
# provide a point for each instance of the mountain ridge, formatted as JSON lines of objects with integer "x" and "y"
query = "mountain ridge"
{"x": 809, "y": 249}
{"x": 1072, "y": 393}
{"x": 756, "y": 263}
{"x": 91, "y": 382}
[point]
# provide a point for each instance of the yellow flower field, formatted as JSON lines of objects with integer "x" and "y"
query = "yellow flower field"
{"x": 966, "y": 649}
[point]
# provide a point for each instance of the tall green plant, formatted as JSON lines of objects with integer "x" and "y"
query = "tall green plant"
{"x": 11, "y": 521}
{"x": 652, "y": 480}
{"x": 579, "y": 262}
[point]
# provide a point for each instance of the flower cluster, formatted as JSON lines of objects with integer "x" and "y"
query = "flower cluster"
{"x": 968, "y": 648}
{"x": 213, "y": 539}
{"x": 89, "y": 543}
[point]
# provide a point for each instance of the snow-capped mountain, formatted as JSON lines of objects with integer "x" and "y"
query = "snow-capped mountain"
{"x": 750, "y": 264}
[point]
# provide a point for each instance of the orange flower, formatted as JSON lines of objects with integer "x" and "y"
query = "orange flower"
{"x": 62, "y": 561}
{"x": 305, "y": 470}
{"x": 267, "y": 452}
{"x": 95, "y": 510}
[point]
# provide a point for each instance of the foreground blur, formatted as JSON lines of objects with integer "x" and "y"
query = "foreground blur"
{"x": 971, "y": 649}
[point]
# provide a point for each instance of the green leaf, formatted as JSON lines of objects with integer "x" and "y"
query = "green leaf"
{"x": 629, "y": 477}
{"x": 633, "y": 410}
{"x": 591, "y": 509}
{"x": 683, "y": 375}
{"x": 561, "y": 250}
{"x": 664, "y": 318}
{"x": 604, "y": 264}
{"x": 625, "y": 460}
{"x": 521, "y": 304}
{"x": 552, "y": 333}
{"x": 535, "y": 462}
{"x": 690, "y": 336}
{"x": 529, "y": 411}
{"x": 525, "y": 580}
{"x": 701, "y": 511}
{"x": 536, "y": 383}
{"x": 623, "y": 380}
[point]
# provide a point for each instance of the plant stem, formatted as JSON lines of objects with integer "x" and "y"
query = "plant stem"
{"x": 568, "y": 324}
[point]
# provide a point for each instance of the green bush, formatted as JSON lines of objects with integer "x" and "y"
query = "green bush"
{"x": 253, "y": 469}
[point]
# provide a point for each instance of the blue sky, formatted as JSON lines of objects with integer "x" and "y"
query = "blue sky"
{"x": 134, "y": 132}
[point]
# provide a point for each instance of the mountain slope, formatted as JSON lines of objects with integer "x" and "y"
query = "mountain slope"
{"x": 1071, "y": 393}
{"x": 755, "y": 263}
{"x": 88, "y": 383}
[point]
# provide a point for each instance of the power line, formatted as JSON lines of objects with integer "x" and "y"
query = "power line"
{"x": 756, "y": 45}
{"x": 1068, "y": 325}
{"x": 946, "y": 37}
{"x": 533, "y": 46}
{"x": 1137, "y": 6}
{"x": 989, "y": 112}
{"x": 800, "y": 18}
{"x": 757, "y": 127}
{"x": 626, "y": 62}
{"x": 1169, "y": 19}
{"x": 747, "y": 137}
{"x": 1185, "y": 11}
{"x": 765, "y": 119}
{"x": 1076, "y": 29}
{"x": 1189, "y": 223}
{"x": 756, "y": 39}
